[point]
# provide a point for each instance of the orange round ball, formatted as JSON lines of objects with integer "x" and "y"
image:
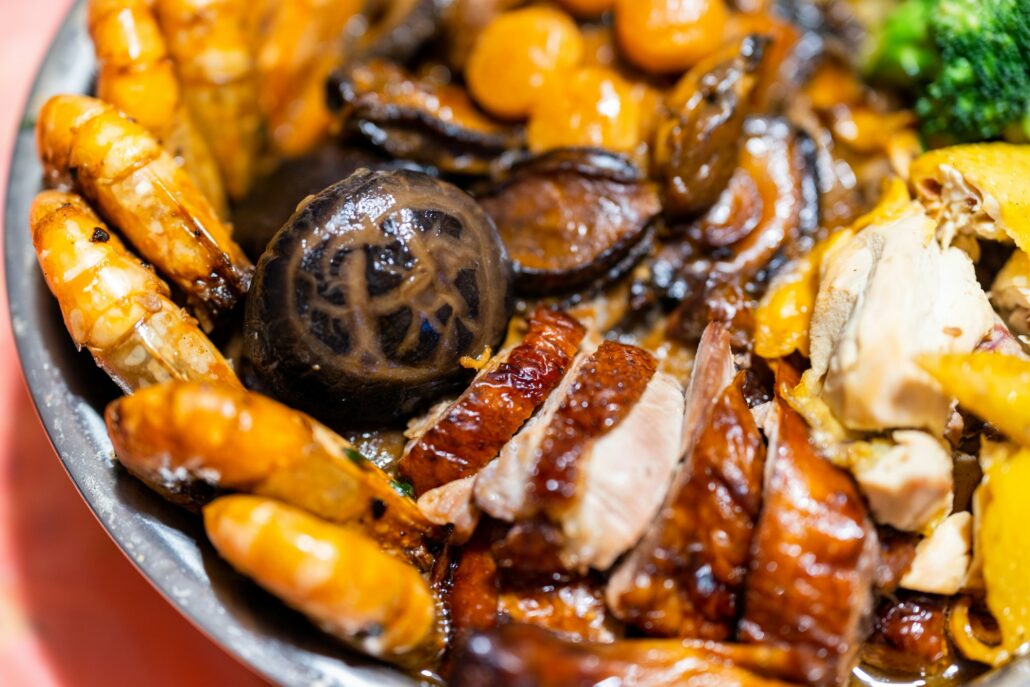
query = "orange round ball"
{"x": 517, "y": 54}
{"x": 591, "y": 107}
{"x": 587, "y": 8}
{"x": 669, "y": 35}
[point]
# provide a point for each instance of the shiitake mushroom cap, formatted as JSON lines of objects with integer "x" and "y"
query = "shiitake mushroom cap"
{"x": 366, "y": 300}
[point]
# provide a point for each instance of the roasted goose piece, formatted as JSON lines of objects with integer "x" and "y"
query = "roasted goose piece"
{"x": 588, "y": 473}
{"x": 765, "y": 215}
{"x": 526, "y": 656}
{"x": 685, "y": 578}
{"x": 471, "y": 431}
{"x": 179, "y": 436}
{"x": 813, "y": 558}
{"x": 696, "y": 149}
{"x": 909, "y": 635}
{"x": 570, "y": 216}
{"x": 418, "y": 118}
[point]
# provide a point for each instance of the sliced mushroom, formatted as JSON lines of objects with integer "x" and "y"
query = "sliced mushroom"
{"x": 418, "y": 118}
{"x": 368, "y": 298}
{"x": 570, "y": 216}
{"x": 766, "y": 215}
{"x": 696, "y": 149}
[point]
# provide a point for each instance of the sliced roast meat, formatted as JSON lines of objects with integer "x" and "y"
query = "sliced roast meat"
{"x": 452, "y": 504}
{"x": 814, "y": 555}
{"x": 909, "y": 635}
{"x": 570, "y": 216}
{"x": 590, "y": 473}
{"x": 525, "y": 656}
{"x": 472, "y": 430}
{"x": 685, "y": 578}
{"x": 573, "y": 608}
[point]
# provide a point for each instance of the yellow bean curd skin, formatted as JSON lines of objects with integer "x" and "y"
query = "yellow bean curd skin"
{"x": 336, "y": 576}
{"x": 243, "y": 441}
{"x": 122, "y": 169}
{"x": 114, "y": 306}
{"x": 137, "y": 76}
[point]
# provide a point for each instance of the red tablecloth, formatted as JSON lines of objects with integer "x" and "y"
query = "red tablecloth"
{"x": 73, "y": 610}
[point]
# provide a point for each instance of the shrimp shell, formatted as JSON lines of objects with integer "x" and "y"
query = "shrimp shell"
{"x": 137, "y": 76}
{"x": 122, "y": 169}
{"x": 303, "y": 43}
{"x": 177, "y": 435}
{"x": 210, "y": 43}
{"x": 336, "y": 576}
{"x": 114, "y": 306}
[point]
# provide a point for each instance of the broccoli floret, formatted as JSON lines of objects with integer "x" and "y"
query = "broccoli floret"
{"x": 969, "y": 62}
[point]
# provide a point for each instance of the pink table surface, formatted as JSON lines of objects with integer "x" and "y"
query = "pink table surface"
{"x": 73, "y": 610}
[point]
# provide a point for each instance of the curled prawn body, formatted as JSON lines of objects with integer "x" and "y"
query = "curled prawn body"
{"x": 176, "y": 435}
{"x": 122, "y": 169}
{"x": 137, "y": 76}
{"x": 212, "y": 49}
{"x": 336, "y": 576}
{"x": 114, "y": 306}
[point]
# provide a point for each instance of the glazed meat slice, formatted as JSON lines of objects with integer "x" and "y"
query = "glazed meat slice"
{"x": 591, "y": 471}
{"x": 526, "y": 656}
{"x": 574, "y": 608}
{"x": 909, "y": 635}
{"x": 685, "y": 578}
{"x": 471, "y": 432}
{"x": 814, "y": 556}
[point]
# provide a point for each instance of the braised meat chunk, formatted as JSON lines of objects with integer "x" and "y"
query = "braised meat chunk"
{"x": 472, "y": 430}
{"x": 814, "y": 556}
{"x": 685, "y": 578}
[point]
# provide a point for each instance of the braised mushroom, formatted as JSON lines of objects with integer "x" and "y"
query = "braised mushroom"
{"x": 365, "y": 302}
{"x": 418, "y": 118}
{"x": 571, "y": 216}
{"x": 398, "y": 28}
{"x": 696, "y": 149}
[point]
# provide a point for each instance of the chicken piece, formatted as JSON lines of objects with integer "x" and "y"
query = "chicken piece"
{"x": 334, "y": 575}
{"x": 470, "y": 433}
{"x": 942, "y": 559}
{"x": 909, "y": 486}
{"x": 887, "y": 296}
{"x": 452, "y": 504}
{"x": 814, "y": 555}
{"x": 685, "y": 577}
{"x": 597, "y": 462}
{"x": 977, "y": 189}
{"x": 1011, "y": 292}
{"x": 910, "y": 635}
{"x": 523, "y": 656}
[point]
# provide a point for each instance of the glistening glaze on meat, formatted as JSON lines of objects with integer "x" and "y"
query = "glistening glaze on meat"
{"x": 814, "y": 554}
{"x": 685, "y": 578}
{"x": 473, "y": 429}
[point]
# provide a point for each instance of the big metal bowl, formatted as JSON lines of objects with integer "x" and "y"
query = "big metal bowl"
{"x": 164, "y": 542}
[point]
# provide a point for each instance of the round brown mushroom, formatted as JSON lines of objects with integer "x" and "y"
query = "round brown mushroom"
{"x": 367, "y": 299}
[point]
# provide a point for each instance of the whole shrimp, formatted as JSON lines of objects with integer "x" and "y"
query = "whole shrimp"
{"x": 336, "y": 576}
{"x": 302, "y": 42}
{"x": 213, "y": 53}
{"x": 137, "y": 76}
{"x": 135, "y": 183}
{"x": 114, "y": 306}
{"x": 177, "y": 436}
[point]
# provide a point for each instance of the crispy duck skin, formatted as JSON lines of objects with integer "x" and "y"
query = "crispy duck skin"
{"x": 605, "y": 391}
{"x": 813, "y": 558}
{"x": 686, "y": 578}
{"x": 525, "y": 656}
{"x": 473, "y": 430}
{"x": 573, "y": 608}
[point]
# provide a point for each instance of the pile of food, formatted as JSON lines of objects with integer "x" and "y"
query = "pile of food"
{"x": 635, "y": 342}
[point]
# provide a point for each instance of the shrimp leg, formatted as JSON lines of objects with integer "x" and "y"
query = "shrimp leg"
{"x": 137, "y": 76}
{"x": 336, "y": 576}
{"x": 114, "y": 306}
{"x": 210, "y": 43}
{"x": 124, "y": 172}
{"x": 178, "y": 435}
